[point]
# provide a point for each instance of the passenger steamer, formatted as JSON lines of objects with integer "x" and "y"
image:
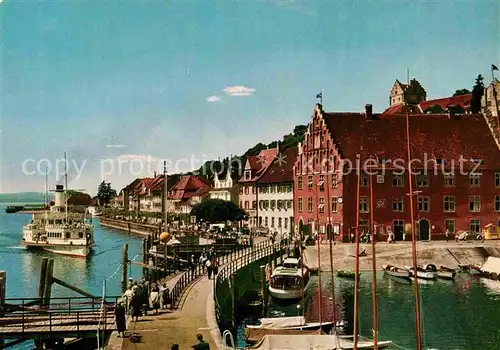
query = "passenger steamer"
{"x": 58, "y": 230}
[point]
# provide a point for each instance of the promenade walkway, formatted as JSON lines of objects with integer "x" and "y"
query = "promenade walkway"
{"x": 178, "y": 326}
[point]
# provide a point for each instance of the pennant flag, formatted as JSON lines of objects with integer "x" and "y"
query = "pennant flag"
{"x": 493, "y": 67}
{"x": 320, "y": 95}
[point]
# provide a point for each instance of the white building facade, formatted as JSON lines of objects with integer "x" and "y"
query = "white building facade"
{"x": 224, "y": 188}
{"x": 276, "y": 206}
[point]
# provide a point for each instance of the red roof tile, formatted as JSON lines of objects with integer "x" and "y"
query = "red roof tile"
{"x": 260, "y": 163}
{"x": 281, "y": 170}
{"x": 189, "y": 186}
{"x": 461, "y": 100}
{"x": 433, "y": 134}
{"x": 401, "y": 109}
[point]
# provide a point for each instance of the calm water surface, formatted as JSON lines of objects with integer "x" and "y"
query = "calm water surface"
{"x": 464, "y": 314}
{"x": 23, "y": 267}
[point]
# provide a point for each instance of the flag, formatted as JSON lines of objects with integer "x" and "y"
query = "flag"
{"x": 320, "y": 95}
{"x": 493, "y": 67}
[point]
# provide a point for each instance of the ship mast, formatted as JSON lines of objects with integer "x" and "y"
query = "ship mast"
{"x": 66, "y": 186}
{"x": 165, "y": 196}
{"x": 356, "y": 270}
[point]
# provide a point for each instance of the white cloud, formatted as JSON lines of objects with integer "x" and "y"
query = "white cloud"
{"x": 116, "y": 146}
{"x": 239, "y": 90}
{"x": 213, "y": 98}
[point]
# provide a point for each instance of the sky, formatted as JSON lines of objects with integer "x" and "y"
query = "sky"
{"x": 122, "y": 85}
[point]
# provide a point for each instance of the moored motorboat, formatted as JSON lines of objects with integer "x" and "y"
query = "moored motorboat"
{"x": 320, "y": 342}
{"x": 427, "y": 272}
{"x": 288, "y": 282}
{"x": 446, "y": 273}
{"x": 395, "y": 271}
{"x": 347, "y": 274}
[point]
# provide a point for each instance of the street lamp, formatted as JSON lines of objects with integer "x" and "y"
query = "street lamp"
{"x": 298, "y": 309}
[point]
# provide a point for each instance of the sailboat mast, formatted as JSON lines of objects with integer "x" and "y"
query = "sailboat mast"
{"x": 66, "y": 185}
{"x": 329, "y": 225}
{"x": 413, "y": 241}
{"x": 319, "y": 260}
{"x": 374, "y": 269}
{"x": 356, "y": 270}
{"x": 45, "y": 195}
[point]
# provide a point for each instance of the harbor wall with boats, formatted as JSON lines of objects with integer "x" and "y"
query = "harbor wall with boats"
{"x": 400, "y": 254}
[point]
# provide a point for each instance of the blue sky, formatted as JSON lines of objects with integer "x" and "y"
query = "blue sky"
{"x": 77, "y": 77}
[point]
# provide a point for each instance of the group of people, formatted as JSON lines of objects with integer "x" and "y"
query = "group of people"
{"x": 138, "y": 299}
{"x": 209, "y": 261}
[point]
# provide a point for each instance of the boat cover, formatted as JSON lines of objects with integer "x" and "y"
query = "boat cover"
{"x": 491, "y": 264}
{"x": 254, "y": 335}
{"x": 282, "y": 322}
{"x": 313, "y": 342}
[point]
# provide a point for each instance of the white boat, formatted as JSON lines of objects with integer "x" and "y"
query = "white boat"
{"x": 291, "y": 323}
{"x": 286, "y": 281}
{"x": 58, "y": 230}
{"x": 316, "y": 342}
{"x": 446, "y": 273}
{"x": 427, "y": 272}
{"x": 422, "y": 281}
{"x": 395, "y": 271}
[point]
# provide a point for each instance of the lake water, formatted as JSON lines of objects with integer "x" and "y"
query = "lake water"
{"x": 23, "y": 267}
{"x": 464, "y": 314}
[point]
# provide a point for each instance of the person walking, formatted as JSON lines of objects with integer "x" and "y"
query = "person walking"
{"x": 121, "y": 323}
{"x": 164, "y": 294}
{"x": 209, "y": 268}
{"x": 203, "y": 260}
{"x": 215, "y": 267}
{"x": 136, "y": 304}
{"x": 154, "y": 298}
{"x": 202, "y": 344}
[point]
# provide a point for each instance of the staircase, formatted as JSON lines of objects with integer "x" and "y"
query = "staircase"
{"x": 492, "y": 122}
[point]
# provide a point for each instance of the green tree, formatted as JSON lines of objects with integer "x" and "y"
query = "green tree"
{"x": 477, "y": 94}
{"x": 461, "y": 92}
{"x": 299, "y": 130}
{"x": 217, "y": 210}
{"x": 105, "y": 193}
{"x": 434, "y": 109}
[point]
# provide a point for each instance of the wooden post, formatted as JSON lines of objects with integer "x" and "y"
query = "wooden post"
{"x": 144, "y": 256}
{"x": 47, "y": 292}
{"x": 124, "y": 267}
{"x": 263, "y": 289}
{"x": 43, "y": 272}
{"x": 234, "y": 298}
{"x": 3, "y": 287}
{"x": 165, "y": 265}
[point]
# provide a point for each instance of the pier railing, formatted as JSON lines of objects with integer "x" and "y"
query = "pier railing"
{"x": 232, "y": 254}
{"x": 73, "y": 315}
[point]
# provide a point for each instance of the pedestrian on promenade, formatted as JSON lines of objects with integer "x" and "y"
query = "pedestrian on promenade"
{"x": 154, "y": 298}
{"x": 121, "y": 324}
{"x": 215, "y": 267}
{"x": 209, "y": 268}
{"x": 127, "y": 296}
{"x": 175, "y": 347}
{"x": 144, "y": 296}
{"x": 136, "y": 303}
{"x": 202, "y": 344}
{"x": 203, "y": 261}
{"x": 446, "y": 234}
{"x": 164, "y": 294}
{"x": 193, "y": 264}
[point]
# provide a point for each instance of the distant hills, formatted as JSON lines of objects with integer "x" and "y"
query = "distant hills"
{"x": 23, "y": 197}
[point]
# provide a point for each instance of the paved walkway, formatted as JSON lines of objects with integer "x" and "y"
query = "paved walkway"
{"x": 179, "y": 326}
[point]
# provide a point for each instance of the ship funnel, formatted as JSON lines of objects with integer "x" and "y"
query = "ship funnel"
{"x": 59, "y": 197}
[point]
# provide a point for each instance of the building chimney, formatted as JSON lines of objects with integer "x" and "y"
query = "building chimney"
{"x": 369, "y": 111}
{"x": 154, "y": 174}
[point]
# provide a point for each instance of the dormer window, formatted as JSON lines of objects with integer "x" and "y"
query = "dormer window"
{"x": 248, "y": 175}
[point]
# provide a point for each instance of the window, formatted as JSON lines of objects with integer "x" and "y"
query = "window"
{"x": 289, "y": 204}
{"x": 497, "y": 179}
{"x": 422, "y": 180}
{"x": 253, "y": 190}
{"x": 246, "y": 190}
{"x": 363, "y": 180}
{"x": 310, "y": 205}
{"x": 449, "y": 225}
{"x": 273, "y": 204}
{"x": 397, "y": 180}
{"x": 397, "y": 204}
{"x": 272, "y": 221}
{"x": 248, "y": 174}
{"x": 363, "y": 226}
{"x": 449, "y": 180}
{"x": 241, "y": 190}
{"x": 474, "y": 204}
{"x": 423, "y": 203}
{"x": 299, "y": 205}
{"x": 254, "y": 204}
{"x": 321, "y": 183}
{"x": 285, "y": 223}
{"x": 364, "y": 207}
{"x": 449, "y": 204}
{"x": 279, "y": 222}
{"x": 272, "y": 188}
{"x": 334, "y": 180}
{"x": 310, "y": 182}
{"x": 497, "y": 203}
{"x": 247, "y": 204}
{"x": 266, "y": 220}
{"x": 241, "y": 204}
{"x": 380, "y": 179}
{"x": 474, "y": 180}
{"x": 321, "y": 205}
{"x": 475, "y": 226}
{"x": 334, "y": 204}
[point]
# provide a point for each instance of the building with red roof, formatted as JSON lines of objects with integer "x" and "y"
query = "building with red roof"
{"x": 255, "y": 167}
{"x": 187, "y": 192}
{"x": 275, "y": 193}
{"x": 458, "y": 187}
